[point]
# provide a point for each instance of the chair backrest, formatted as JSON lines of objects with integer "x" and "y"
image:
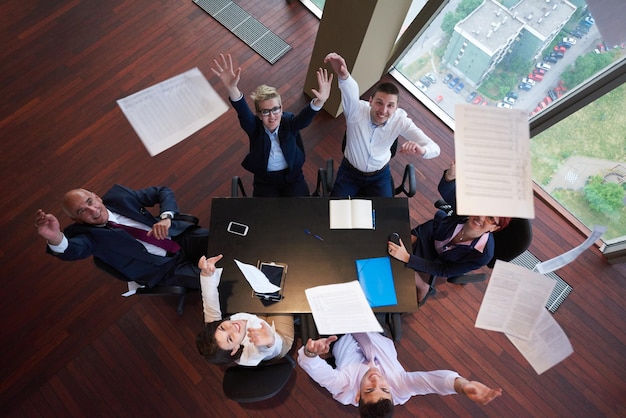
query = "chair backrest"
{"x": 236, "y": 187}
{"x": 255, "y": 384}
{"x": 512, "y": 240}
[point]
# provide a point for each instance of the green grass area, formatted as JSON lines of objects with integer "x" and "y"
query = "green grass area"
{"x": 576, "y": 204}
{"x": 596, "y": 131}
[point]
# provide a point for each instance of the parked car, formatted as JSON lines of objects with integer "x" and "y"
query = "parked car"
{"x": 525, "y": 86}
{"x": 509, "y": 100}
{"x": 552, "y": 94}
{"x": 447, "y": 79}
{"x": 582, "y": 29}
{"x": 528, "y": 81}
{"x": 550, "y": 59}
{"x": 504, "y": 105}
{"x": 420, "y": 86}
{"x": 577, "y": 34}
{"x": 470, "y": 97}
{"x": 535, "y": 76}
{"x": 539, "y": 71}
{"x": 478, "y": 100}
{"x": 557, "y": 55}
{"x": 570, "y": 40}
{"x": 453, "y": 83}
{"x": 559, "y": 49}
{"x": 425, "y": 81}
{"x": 459, "y": 87}
{"x": 431, "y": 77}
{"x": 512, "y": 95}
{"x": 565, "y": 45}
{"x": 543, "y": 66}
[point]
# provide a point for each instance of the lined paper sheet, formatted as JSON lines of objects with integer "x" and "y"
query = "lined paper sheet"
{"x": 166, "y": 113}
{"x": 492, "y": 154}
{"x": 341, "y": 309}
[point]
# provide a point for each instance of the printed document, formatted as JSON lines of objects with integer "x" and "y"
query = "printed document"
{"x": 341, "y": 309}
{"x": 492, "y": 154}
{"x": 166, "y": 113}
{"x": 569, "y": 256}
{"x": 547, "y": 346}
{"x": 351, "y": 214}
{"x": 514, "y": 300}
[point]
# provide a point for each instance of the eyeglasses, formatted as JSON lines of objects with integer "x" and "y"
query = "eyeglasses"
{"x": 274, "y": 111}
{"x": 492, "y": 220}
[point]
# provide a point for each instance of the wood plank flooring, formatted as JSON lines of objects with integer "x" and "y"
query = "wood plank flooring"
{"x": 72, "y": 346}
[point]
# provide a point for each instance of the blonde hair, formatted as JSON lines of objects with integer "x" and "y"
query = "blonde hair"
{"x": 264, "y": 92}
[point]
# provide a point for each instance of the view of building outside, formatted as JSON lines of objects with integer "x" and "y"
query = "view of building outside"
{"x": 527, "y": 54}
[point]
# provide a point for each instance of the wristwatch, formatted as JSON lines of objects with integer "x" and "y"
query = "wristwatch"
{"x": 166, "y": 215}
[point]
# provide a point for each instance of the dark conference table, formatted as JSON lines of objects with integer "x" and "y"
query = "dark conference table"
{"x": 277, "y": 233}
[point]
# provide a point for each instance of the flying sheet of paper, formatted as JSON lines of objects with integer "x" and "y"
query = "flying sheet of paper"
{"x": 168, "y": 112}
{"x": 569, "y": 256}
{"x": 341, "y": 309}
{"x": 514, "y": 300}
{"x": 257, "y": 279}
{"x": 492, "y": 154}
{"x": 547, "y": 346}
{"x": 132, "y": 289}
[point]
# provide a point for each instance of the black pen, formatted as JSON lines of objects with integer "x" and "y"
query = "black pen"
{"x": 306, "y": 231}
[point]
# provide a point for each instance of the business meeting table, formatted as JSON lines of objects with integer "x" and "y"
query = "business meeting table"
{"x": 277, "y": 233}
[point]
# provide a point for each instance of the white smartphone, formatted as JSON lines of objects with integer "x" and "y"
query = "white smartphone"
{"x": 237, "y": 228}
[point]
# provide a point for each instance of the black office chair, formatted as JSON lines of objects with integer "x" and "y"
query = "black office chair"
{"x": 258, "y": 383}
{"x": 179, "y": 291}
{"x": 325, "y": 176}
{"x": 509, "y": 243}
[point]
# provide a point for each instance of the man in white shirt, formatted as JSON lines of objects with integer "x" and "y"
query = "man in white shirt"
{"x": 372, "y": 127}
{"x": 369, "y": 375}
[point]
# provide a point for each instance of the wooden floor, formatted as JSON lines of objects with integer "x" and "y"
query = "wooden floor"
{"x": 72, "y": 346}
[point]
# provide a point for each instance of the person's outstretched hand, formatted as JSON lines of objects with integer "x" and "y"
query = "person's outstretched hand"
{"x": 48, "y": 227}
{"x": 321, "y": 345}
{"x": 338, "y": 63}
{"x": 324, "y": 82}
{"x": 228, "y": 75}
{"x": 261, "y": 336}
{"x": 480, "y": 393}
{"x": 207, "y": 265}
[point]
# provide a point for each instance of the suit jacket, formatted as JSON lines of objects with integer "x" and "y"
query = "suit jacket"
{"x": 115, "y": 246}
{"x": 290, "y": 125}
{"x": 458, "y": 260}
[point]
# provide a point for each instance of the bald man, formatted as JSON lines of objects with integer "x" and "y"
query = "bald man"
{"x": 98, "y": 230}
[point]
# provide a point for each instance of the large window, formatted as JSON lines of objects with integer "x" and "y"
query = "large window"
{"x": 542, "y": 56}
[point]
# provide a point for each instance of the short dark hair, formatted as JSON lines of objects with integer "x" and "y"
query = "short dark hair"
{"x": 383, "y": 408}
{"x": 504, "y": 222}
{"x": 388, "y": 88}
{"x": 208, "y": 348}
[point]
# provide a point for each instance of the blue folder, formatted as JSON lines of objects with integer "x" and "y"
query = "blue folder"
{"x": 376, "y": 280}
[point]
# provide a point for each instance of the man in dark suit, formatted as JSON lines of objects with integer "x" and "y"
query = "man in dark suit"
{"x": 145, "y": 260}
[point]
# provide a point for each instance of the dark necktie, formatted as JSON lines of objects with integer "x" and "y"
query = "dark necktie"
{"x": 367, "y": 348}
{"x": 167, "y": 244}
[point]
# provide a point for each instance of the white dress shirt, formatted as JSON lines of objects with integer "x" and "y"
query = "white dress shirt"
{"x": 344, "y": 381}
{"x": 367, "y": 145}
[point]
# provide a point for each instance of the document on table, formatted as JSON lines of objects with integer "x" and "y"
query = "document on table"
{"x": 514, "y": 300}
{"x": 492, "y": 154}
{"x": 256, "y": 278}
{"x": 341, "y": 309}
{"x": 168, "y": 112}
{"x": 569, "y": 256}
{"x": 351, "y": 214}
{"x": 547, "y": 346}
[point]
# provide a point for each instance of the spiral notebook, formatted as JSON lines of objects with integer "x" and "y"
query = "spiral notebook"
{"x": 376, "y": 280}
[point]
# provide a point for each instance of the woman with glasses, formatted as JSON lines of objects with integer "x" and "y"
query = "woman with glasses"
{"x": 449, "y": 244}
{"x": 276, "y": 154}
